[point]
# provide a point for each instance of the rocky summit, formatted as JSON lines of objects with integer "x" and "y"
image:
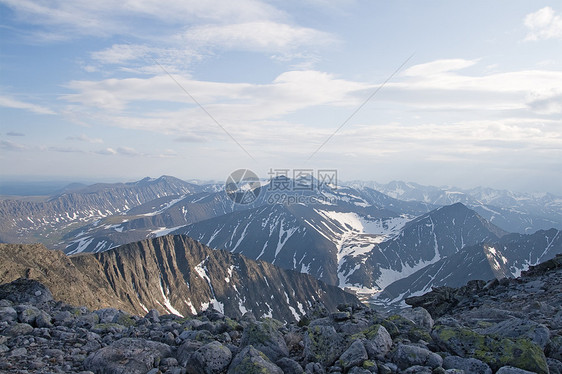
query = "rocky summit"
{"x": 506, "y": 327}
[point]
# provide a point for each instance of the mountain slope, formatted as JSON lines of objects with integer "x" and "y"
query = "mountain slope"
{"x": 28, "y": 221}
{"x": 421, "y": 242}
{"x": 172, "y": 274}
{"x": 507, "y": 257}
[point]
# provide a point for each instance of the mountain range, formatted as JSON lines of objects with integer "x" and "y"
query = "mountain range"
{"x": 388, "y": 241}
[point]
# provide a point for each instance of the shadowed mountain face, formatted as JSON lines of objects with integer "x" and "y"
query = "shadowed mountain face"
{"x": 423, "y": 241}
{"x": 171, "y": 274}
{"x": 506, "y": 257}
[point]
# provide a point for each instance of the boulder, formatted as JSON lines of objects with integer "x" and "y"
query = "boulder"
{"x": 491, "y": 349}
{"x": 127, "y": 355}
{"x": 250, "y": 361}
{"x": 406, "y": 356}
{"x": 520, "y": 328}
{"x": 212, "y": 358}
{"x": 323, "y": 344}
{"x": 468, "y": 365}
{"x": 25, "y": 291}
{"x": 355, "y": 355}
{"x": 512, "y": 370}
{"x": 289, "y": 366}
{"x": 419, "y": 316}
{"x": 8, "y": 314}
{"x": 265, "y": 337}
{"x": 377, "y": 342}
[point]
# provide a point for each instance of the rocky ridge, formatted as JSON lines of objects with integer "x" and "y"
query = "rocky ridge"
{"x": 172, "y": 274}
{"x": 506, "y": 327}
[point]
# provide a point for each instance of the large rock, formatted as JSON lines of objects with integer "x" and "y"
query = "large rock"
{"x": 468, "y": 365}
{"x": 406, "y": 356}
{"x": 378, "y": 342}
{"x": 491, "y": 349}
{"x": 8, "y": 314}
{"x": 212, "y": 358}
{"x": 520, "y": 328}
{"x": 25, "y": 291}
{"x": 127, "y": 356}
{"x": 355, "y": 355}
{"x": 265, "y": 337}
{"x": 289, "y": 366}
{"x": 512, "y": 370}
{"x": 323, "y": 344}
{"x": 252, "y": 361}
{"x": 419, "y": 316}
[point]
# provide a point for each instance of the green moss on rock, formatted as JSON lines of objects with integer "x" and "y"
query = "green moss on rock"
{"x": 492, "y": 349}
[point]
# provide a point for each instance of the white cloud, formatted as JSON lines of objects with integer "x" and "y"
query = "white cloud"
{"x": 543, "y": 24}
{"x": 288, "y": 92}
{"x": 85, "y": 138}
{"x": 438, "y": 67}
{"x": 119, "y": 53}
{"x": 10, "y": 102}
{"x": 440, "y": 84}
{"x": 257, "y": 35}
{"x": 11, "y": 146}
{"x": 68, "y": 19}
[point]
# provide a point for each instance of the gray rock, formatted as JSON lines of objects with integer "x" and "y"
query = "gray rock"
{"x": 265, "y": 337}
{"x": 418, "y": 369}
{"x": 358, "y": 370}
{"x": 554, "y": 348}
{"x": 454, "y": 371}
{"x": 378, "y": 342}
{"x": 554, "y": 366}
{"x": 127, "y": 355}
{"x": 153, "y": 315}
{"x": 43, "y": 320}
{"x": 289, "y": 366}
{"x": 19, "y": 329}
{"x": 520, "y": 328}
{"x": 323, "y": 344}
{"x": 63, "y": 318}
{"x": 409, "y": 355}
{"x": 469, "y": 365}
{"x": 512, "y": 370}
{"x": 314, "y": 368}
{"x": 250, "y": 360}
{"x": 419, "y": 316}
{"x": 18, "y": 352}
{"x": 355, "y": 355}
{"x": 341, "y": 316}
{"x": 186, "y": 350}
{"x": 34, "y": 316}
{"x": 212, "y": 358}
{"x": 107, "y": 315}
{"x": 25, "y": 291}
{"x": 8, "y": 314}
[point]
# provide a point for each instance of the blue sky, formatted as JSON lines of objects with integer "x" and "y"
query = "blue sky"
{"x": 95, "y": 90}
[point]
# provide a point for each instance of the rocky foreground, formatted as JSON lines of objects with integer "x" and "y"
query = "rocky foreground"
{"x": 503, "y": 327}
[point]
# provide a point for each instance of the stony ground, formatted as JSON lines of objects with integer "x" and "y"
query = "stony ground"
{"x": 501, "y": 327}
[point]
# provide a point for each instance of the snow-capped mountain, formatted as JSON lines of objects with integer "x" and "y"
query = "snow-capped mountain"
{"x": 422, "y": 242}
{"x": 524, "y": 213}
{"x": 48, "y": 221}
{"x": 506, "y": 257}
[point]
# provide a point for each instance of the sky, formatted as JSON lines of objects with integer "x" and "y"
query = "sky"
{"x": 464, "y": 93}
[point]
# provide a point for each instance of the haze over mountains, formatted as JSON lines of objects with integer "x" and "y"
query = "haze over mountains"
{"x": 392, "y": 241}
